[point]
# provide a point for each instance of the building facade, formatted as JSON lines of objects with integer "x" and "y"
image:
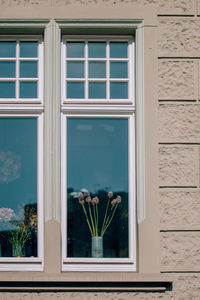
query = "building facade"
{"x": 157, "y": 253}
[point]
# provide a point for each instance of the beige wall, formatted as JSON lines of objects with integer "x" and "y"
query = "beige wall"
{"x": 179, "y": 142}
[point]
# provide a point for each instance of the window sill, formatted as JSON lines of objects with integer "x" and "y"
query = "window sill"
{"x": 142, "y": 283}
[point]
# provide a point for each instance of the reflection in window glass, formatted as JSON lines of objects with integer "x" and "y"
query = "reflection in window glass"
{"x": 96, "y": 49}
{"x": 28, "y": 69}
{"x": 118, "y": 49}
{"x": 7, "y": 89}
{"x": 28, "y": 49}
{"x": 75, "y": 49}
{"x": 7, "y": 49}
{"x": 28, "y": 89}
{"x": 18, "y": 186}
{"x": 97, "y": 186}
{"x": 7, "y": 69}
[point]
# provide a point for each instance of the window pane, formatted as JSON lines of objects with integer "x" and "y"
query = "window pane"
{"x": 118, "y": 90}
{"x": 97, "y": 49}
{"x": 75, "y": 69}
{"x": 18, "y": 186}
{"x": 7, "y": 49}
{"x": 75, "y": 49}
{"x": 28, "y": 89}
{"x": 97, "y": 162}
{"x": 7, "y": 89}
{"x": 118, "y": 49}
{"x": 97, "y": 90}
{"x": 7, "y": 69}
{"x": 118, "y": 70}
{"x": 75, "y": 90}
{"x": 28, "y": 49}
{"x": 97, "y": 69}
{"x": 28, "y": 69}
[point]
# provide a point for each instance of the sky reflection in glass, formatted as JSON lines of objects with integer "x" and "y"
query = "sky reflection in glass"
{"x": 97, "y": 154}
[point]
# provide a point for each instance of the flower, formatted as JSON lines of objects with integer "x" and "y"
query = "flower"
{"x": 110, "y": 194}
{"x": 88, "y": 199}
{"x": 86, "y": 193}
{"x": 114, "y": 202}
{"x": 6, "y": 214}
{"x": 95, "y": 200}
{"x": 118, "y": 199}
{"x": 80, "y": 196}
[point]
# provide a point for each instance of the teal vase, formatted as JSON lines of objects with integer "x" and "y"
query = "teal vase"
{"x": 97, "y": 246}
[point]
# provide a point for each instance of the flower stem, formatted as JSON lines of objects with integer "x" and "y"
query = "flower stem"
{"x": 91, "y": 218}
{"x": 108, "y": 223}
{"x": 87, "y": 219}
{"x": 102, "y": 229}
{"x": 97, "y": 216}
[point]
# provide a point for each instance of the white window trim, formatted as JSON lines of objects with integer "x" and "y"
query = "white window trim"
{"x": 39, "y": 79}
{"x": 131, "y": 72}
{"x": 35, "y": 263}
{"x": 100, "y": 264}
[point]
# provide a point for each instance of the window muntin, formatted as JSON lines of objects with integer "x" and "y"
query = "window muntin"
{"x": 97, "y": 69}
{"x": 98, "y": 156}
{"x": 21, "y": 70}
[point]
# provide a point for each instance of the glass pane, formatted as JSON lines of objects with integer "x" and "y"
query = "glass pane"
{"x": 7, "y": 49}
{"x": 75, "y": 49}
{"x": 118, "y": 49}
{"x": 28, "y": 49}
{"x": 28, "y": 69}
{"x": 97, "y": 49}
{"x": 28, "y": 89}
{"x": 75, "y": 90}
{"x": 7, "y": 89}
{"x": 18, "y": 186}
{"x": 97, "y": 90}
{"x": 75, "y": 69}
{"x": 97, "y": 69}
{"x": 118, "y": 70}
{"x": 118, "y": 90}
{"x": 7, "y": 69}
{"x": 97, "y": 167}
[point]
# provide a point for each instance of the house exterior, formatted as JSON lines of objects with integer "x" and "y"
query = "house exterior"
{"x": 102, "y": 65}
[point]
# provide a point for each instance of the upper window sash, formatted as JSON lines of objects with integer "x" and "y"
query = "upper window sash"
{"x": 97, "y": 69}
{"x": 21, "y": 69}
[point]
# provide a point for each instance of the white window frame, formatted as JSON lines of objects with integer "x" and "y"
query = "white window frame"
{"x": 100, "y": 264}
{"x": 96, "y": 38}
{"x": 17, "y": 59}
{"x": 32, "y": 263}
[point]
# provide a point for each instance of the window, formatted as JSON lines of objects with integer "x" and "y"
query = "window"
{"x": 58, "y": 117}
{"x": 98, "y": 69}
{"x": 21, "y": 166}
{"x": 98, "y": 154}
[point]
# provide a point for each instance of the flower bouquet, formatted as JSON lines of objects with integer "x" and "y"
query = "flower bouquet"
{"x": 91, "y": 212}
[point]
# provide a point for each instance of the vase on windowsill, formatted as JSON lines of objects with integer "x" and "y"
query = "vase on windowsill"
{"x": 18, "y": 250}
{"x": 97, "y": 246}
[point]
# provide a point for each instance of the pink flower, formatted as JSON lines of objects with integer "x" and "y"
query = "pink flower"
{"x": 110, "y": 194}
{"x": 95, "y": 200}
{"x": 81, "y": 201}
{"x": 114, "y": 202}
{"x": 118, "y": 199}
{"x": 88, "y": 199}
{"x": 80, "y": 196}
{"x": 86, "y": 193}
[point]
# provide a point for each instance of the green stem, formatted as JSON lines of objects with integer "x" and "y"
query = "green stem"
{"x": 102, "y": 229}
{"x": 95, "y": 220}
{"x": 108, "y": 223}
{"x": 91, "y": 219}
{"x": 87, "y": 219}
{"x": 97, "y": 215}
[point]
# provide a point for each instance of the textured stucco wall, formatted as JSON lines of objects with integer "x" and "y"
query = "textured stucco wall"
{"x": 179, "y": 141}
